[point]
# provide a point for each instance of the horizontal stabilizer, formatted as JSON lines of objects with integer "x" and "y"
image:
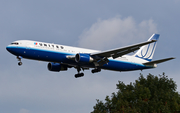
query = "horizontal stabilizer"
{"x": 158, "y": 61}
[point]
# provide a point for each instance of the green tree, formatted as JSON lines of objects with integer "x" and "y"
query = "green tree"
{"x": 152, "y": 94}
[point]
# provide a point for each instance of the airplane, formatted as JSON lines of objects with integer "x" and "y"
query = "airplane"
{"x": 61, "y": 57}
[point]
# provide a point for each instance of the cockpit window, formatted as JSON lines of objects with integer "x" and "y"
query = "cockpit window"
{"x": 14, "y": 43}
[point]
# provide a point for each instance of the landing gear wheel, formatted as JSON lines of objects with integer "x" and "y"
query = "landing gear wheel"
{"x": 96, "y": 70}
{"x": 20, "y": 63}
{"x": 93, "y": 71}
{"x": 79, "y": 75}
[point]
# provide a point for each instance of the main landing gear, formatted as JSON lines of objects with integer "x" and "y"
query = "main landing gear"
{"x": 19, "y": 59}
{"x": 79, "y": 74}
{"x": 97, "y": 69}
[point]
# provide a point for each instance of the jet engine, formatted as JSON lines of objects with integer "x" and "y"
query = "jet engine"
{"x": 83, "y": 58}
{"x": 56, "y": 67}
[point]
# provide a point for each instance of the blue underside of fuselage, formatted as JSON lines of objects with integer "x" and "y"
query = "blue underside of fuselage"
{"x": 60, "y": 57}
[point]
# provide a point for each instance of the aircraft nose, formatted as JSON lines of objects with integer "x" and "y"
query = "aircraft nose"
{"x": 11, "y": 49}
{"x": 8, "y": 48}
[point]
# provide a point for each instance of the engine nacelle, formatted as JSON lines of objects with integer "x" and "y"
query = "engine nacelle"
{"x": 56, "y": 67}
{"x": 83, "y": 58}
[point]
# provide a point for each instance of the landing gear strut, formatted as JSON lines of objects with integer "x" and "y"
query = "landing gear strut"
{"x": 19, "y": 59}
{"x": 79, "y": 74}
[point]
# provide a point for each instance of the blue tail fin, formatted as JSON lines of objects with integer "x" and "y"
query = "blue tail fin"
{"x": 146, "y": 52}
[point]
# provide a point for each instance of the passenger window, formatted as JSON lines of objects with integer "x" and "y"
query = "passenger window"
{"x": 40, "y": 44}
{"x": 45, "y": 44}
{"x": 57, "y": 46}
{"x": 52, "y": 45}
{"x": 62, "y": 47}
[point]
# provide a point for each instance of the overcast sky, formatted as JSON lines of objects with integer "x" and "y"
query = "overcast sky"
{"x": 94, "y": 24}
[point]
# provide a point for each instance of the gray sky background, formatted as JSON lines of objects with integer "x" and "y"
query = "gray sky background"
{"x": 95, "y": 24}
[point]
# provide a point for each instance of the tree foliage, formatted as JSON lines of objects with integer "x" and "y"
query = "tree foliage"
{"x": 147, "y": 95}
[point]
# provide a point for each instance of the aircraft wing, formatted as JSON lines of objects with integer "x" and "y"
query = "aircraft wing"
{"x": 115, "y": 53}
{"x": 158, "y": 61}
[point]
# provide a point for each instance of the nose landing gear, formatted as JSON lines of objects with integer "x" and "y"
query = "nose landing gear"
{"x": 19, "y": 59}
{"x": 19, "y": 63}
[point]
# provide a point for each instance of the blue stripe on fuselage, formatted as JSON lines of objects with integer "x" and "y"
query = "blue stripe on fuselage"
{"x": 118, "y": 65}
{"x": 59, "y": 56}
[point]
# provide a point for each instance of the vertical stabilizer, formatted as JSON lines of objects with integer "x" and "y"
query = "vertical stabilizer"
{"x": 146, "y": 52}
